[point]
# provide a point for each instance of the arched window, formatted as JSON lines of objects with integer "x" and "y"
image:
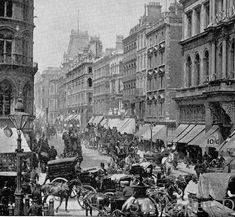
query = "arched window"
{"x": 197, "y": 69}
{"x": 189, "y": 72}
{"x": 27, "y": 97}
{"x": 6, "y": 38}
{"x": 89, "y": 82}
{"x": 206, "y": 64}
{"x": 5, "y": 97}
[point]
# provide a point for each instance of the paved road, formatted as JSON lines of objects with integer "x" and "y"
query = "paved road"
{"x": 91, "y": 159}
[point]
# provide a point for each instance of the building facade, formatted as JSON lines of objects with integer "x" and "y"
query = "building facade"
{"x": 79, "y": 91}
{"x": 163, "y": 68}
{"x": 152, "y": 15}
{"x": 129, "y": 71}
{"x": 17, "y": 68}
{"x": 101, "y": 93}
{"x": 116, "y": 86}
{"x": 46, "y": 96}
{"x": 207, "y": 95}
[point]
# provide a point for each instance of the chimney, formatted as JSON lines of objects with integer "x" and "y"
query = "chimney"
{"x": 154, "y": 11}
{"x": 119, "y": 39}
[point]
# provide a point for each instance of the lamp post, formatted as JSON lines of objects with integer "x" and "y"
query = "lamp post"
{"x": 19, "y": 119}
{"x": 151, "y": 141}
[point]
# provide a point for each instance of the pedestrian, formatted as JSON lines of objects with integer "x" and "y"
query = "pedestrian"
{"x": 52, "y": 153}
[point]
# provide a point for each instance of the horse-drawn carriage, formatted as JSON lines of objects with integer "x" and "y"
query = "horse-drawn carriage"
{"x": 212, "y": 199}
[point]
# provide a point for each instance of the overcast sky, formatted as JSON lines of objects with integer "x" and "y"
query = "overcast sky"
{"x": 54, "y": 20}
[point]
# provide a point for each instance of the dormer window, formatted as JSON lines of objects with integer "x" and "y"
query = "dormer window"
{"x": 6, "y": 8}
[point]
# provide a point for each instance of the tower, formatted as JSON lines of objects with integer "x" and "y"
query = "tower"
{"x": 17, "y": 68}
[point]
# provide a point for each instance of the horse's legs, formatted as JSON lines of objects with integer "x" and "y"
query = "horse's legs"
{"x": 61, "y": 200}
{"x": 66, "y": 203}
{"x": 45, "y": 199}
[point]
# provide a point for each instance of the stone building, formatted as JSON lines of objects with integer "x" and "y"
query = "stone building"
{"x": 206, "y": 98}
{"x": 46, "y": 96}
{"x": 101, "y": 87}
{"x": 129, "y": 71}
{"x": 17, "y": 68}
{"x": 115, "y": 80}
{"x": 151, "y": 15}
{"x": 163, "y": 68}
{"x": 79, "y": 82}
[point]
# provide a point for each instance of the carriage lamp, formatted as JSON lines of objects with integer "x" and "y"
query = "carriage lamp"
{"x": 19, "y": 119}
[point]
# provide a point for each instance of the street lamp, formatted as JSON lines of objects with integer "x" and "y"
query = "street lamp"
{"x": 19, "y": 119}
{"x": 151, "y": 131}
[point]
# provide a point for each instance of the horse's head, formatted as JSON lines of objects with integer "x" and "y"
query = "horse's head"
{"x": 74, "y": 182}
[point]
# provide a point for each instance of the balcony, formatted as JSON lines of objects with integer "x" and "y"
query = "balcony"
{"x": 212, "y": 88}
{"x": 18, "y": 60}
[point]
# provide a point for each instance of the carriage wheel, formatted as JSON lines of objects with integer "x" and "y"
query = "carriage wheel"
{"x": 82, "y": 191}
{"x": 59, "y": 180}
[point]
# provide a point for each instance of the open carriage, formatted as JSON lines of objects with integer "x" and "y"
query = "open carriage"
{"x": 212, "y": 199}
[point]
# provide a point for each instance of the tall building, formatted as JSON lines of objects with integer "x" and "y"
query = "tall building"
{"x": 163, "y": 69}
{"x": 129, "y": 71}
{"x": 17, "y": 68}
{"x": 151, "y": 15}
{"x": 79, "y": 82}
{"x": 206, "y": 99}
{"x": 46, "y": 97}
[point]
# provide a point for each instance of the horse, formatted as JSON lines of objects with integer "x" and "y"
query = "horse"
{"x": 61, "y": 190}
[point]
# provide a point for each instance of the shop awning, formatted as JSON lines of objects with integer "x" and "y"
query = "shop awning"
{"x": 177, "y": 132}
{"x": 198, "y": 138}
{"x": 104, "y": 122}
{"x": 68, "y": 117}
{"x": 192, "y": 134}
{"x": 9, "y": 144}
{"x": 161, "y": 134}
{"x": 129, "y": 126}
{"x": 91, "y": 120}
{"x": 228, "y": 144}
{"x": 98, "y": 119}
{"x": 212, "y": 138}
{"x": 184, "y": 133}
{"x": 142, "y": 130}
{"x": 155, "y": 130}
{"x": 126, "y": 121}
{"x": 120, "y": 124}
{"x": 78, "y": 118}
{"x": 114, "y": 122}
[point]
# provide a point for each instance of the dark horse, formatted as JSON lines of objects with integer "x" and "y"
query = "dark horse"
{"x": 61, "y": 190}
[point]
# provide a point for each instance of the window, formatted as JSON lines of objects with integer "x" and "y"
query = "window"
{"x": 6, "y": 8}
{"x": 189, "y": 72}
{"x": 189, "y": 27}
{"x": 197, "y": 69}
{"x": 162, "y": 82}
{"x": 89, "y": 69}
{"x": 162, "y": 57}
{"x": 206, "y": 65}
{"x": 161, "y": 108}
{"x": 232, "y": 56}
{"x": 5, "y": 50}
{"x": 5, "y": 97}
{"x": 198, "y": 20}
{"x": 25, "y": 51}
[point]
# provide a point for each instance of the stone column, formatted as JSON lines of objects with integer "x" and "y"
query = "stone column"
{"x": 185, "y": 27}
{"x": 224, "y": 58}
{"x": 193, "y": 22}
{"x": 208, "y": 116}
{"x": 212, "y": 60}
{"x": 225, "y": 7}
{"x": 202, "y": 18}
{"x": 212, "y": 12}
{"x": 185, "y": 81}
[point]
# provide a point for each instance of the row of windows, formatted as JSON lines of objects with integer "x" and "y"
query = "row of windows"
{"x": 156, "y": 83}
{"x": 6, "y": 9}
{"x": 141, "y": 41}
{"x": 130, "y": 47}
{"x": 155, "y": 109}
{"x": 129, "y": 86}
{"x": 157, "y": 59}
{"x": 81, "y": 70}
{"x": 156, "y": 39}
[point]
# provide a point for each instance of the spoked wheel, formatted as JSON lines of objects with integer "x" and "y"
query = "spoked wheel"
{"x": 82, "y": 191}
{"x": 59, "y": 180}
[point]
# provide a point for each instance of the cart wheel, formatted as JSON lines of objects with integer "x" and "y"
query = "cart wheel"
{"x": 82, "y": 191}
{"x": 59, "y": 180}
